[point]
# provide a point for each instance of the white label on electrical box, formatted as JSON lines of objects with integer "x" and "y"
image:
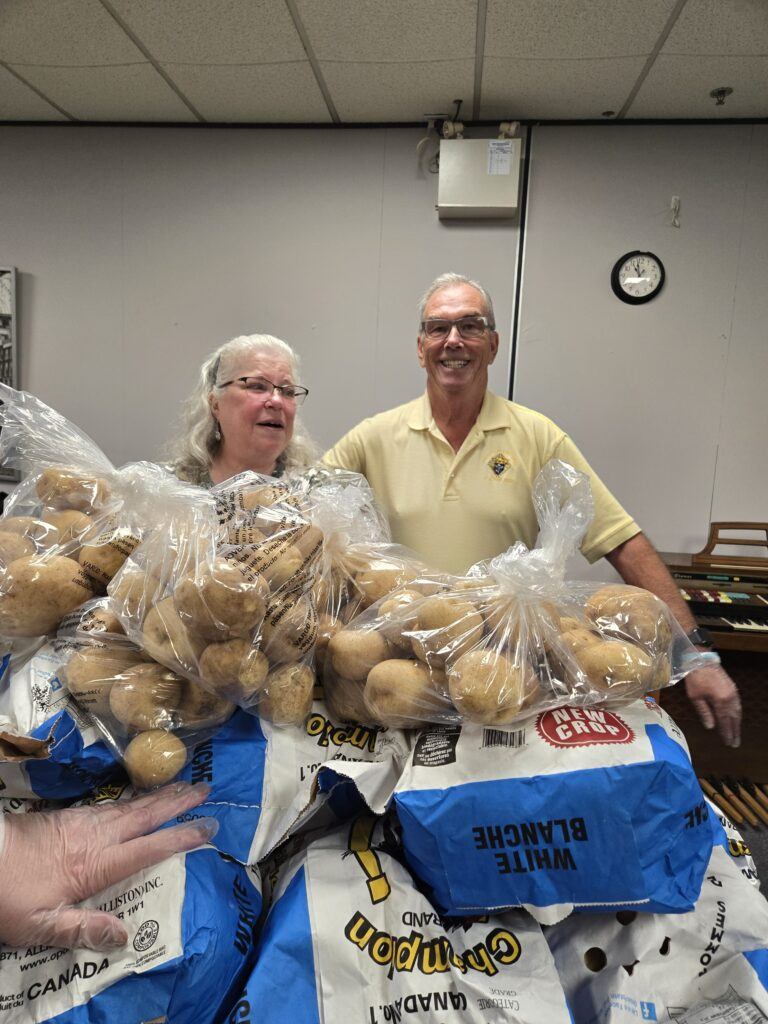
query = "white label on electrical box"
{"x": 500, "y": 156}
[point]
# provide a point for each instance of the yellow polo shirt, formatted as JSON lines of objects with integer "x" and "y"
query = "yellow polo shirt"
{"x": 456, "y": 508}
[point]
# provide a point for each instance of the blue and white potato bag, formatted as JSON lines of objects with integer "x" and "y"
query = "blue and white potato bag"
{"x": 191, "y": 926}
{"x": 575, "y": 807}
{"x": 349, "y": 938}
{"x": 708, "y": 966}
{"x": 71, "y": 757}
{"x": 263, "y": 776}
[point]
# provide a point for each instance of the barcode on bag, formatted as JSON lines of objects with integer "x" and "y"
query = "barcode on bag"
{"x": 503, "y": 738}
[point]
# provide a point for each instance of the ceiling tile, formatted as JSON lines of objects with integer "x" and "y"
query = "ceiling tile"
{"x": 522, "y": 89}
{"x": 20, "y": 103}
{"x": 71, "y": 33}
{"x": 264, "y": 93}
{"x": 720, "y": 27}
{"x": 132, "y": 93}
{"x": 225, "y": 32}
{"x": 551, "y": 29}
{"x": 399, "y": 92}
{"x": 398, "y": 31}
{"x": 680, "y": 87}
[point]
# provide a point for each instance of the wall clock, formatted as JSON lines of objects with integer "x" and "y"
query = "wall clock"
{"x": 637, "y": 277}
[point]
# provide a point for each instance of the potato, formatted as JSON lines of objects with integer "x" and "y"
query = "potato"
{"x": 154, "y": 758}
{"x": 397, "y": 618}
{"x": 101, "y": 620}
{"x": 146, "y": 697}
{"x": 102, "y": 558}
{"x": 307, "y": 539}
{"x": 38, "y": 592}
{"x": 287, "y": 695}
{"x": 278, "y": 561}
{"x": 402, "y": 694}
{"x": 617, "y": 669}
{"x": 234, "y": 668}
{"x": 90, "y": 673}
{"x": 166, "y": 638}
{"x": 265, "y": 494}
{"x": 632, "y": 613}
{"x": 290, "y": 629}
{"x": 346, "y": 701}
{"x": 245, "y": 535}
{"x": 199, "y": 709}
{"x": 446, "y": 627}
{"x": 134, "y": 591}
{"x": 488, "y": 688}
{"x": 575, "y": 639}
{"x": 354, "y": 652}
{"x": 221, "y": 603}
{"x": 327, "y": 627}
{"x": 67, "y": 528}
{"x": 569, "y": 622}
{"x": 13, "y": 546}
{"x": 66, "y": 488}
{"x": 33, "y": 529}
{"x": 381, "y": 576}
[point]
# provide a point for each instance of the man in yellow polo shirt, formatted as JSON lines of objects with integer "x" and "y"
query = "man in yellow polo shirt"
{"x": 454, "y": 469}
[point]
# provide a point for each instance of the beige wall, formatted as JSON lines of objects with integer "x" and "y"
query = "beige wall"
{"x": 141, "y": 250}
{"x": 667, "y": 400}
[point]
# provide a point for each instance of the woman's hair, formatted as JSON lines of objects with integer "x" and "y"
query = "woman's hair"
{"x": 195, "y": 445}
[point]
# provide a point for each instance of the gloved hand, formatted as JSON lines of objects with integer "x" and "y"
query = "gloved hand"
{"x": 50, "y": 861}
{"x": 714, "y": 695}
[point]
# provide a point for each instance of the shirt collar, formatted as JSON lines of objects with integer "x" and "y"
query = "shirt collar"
{"x": 493, "y": 414}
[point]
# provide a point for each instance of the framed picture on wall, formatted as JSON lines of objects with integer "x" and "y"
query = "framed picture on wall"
{"x": 9, "y": 352}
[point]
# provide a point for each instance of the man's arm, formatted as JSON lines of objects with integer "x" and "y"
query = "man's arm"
{"x": 711, "y": 690}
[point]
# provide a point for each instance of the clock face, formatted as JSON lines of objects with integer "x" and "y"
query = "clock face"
{"x": 637, "y": 277}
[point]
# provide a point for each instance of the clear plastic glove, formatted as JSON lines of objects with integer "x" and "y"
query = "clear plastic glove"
{"x": 50, "y": 861}
{"x": 714, "y": 695}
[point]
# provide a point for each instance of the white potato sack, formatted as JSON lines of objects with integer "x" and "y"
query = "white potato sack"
{"x": 191, "y": 924}
{"x": 583, "y": 807}
{"x": 349, "y": 937}
{"x": 708, "y": 965}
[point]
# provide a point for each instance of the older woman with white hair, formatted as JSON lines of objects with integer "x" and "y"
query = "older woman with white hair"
{"x": 242, "y": 414}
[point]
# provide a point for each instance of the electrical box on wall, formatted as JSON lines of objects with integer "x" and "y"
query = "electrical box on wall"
{"x": 478, "y": 178}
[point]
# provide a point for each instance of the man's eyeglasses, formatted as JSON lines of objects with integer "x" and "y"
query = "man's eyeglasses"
{"x": 470, "y": 328}
{"x": 261, "y": 386}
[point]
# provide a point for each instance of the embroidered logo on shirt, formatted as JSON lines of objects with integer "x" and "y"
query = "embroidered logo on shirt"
{"x": 499, "y": 464}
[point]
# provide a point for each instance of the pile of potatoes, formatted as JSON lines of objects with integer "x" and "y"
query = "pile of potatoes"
{"x": 147, "y": 710}
{"x": 469, "y": 652}
{"x": 242, "y": 621}
{"x": 63, "y": 555}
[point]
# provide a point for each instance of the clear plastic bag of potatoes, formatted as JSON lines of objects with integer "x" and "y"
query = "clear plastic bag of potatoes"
{"x": 222, "y": 594}
{"x": 70, "y": 524}
{"x": 149, "y": 716}
{"x": 356, "y": 540}
{"x": 514, "y": 636}
{"x": 371, "y": 674}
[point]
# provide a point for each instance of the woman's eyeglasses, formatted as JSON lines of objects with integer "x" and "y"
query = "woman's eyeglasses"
{"x": 261, "y": 386}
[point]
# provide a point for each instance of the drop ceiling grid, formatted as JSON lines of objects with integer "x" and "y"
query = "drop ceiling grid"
{"x": 714, "y": 43}
{"x": 552, "y": 89}
{"x": 63, "y": 33}
{"x": 395, "y": 61}
{"x": 258, "y": 93}
{"x": 679, "y": 86}
{"x": 228, "y": 32}
{"x": 572, "y": 29}
{"x": 19, "y": 102}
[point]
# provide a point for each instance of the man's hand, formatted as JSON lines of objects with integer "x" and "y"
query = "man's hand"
{"x": 714, "y": 695}
{"x": 50, "y": 861}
